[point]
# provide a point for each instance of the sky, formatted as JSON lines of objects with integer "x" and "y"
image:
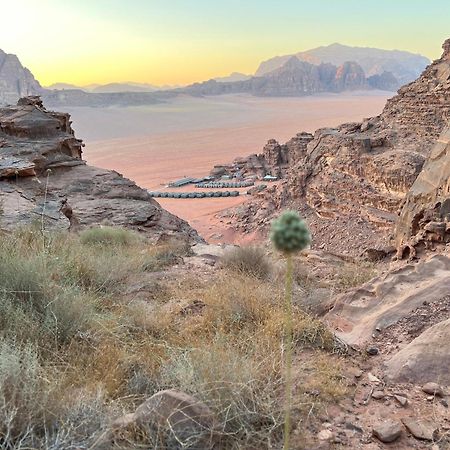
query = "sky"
{"x": 167, "y": 42}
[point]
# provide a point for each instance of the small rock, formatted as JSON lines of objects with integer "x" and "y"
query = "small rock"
{"x": 387, "y": 431}
{"x": 325, "y": 435}
{"x": 372, "y": 378}
{"x": 402, "y": 400}
{"x": 444, "y": 403}
{"x": 372, "y": 351}
{"x": 378, "y": 395}
{"x": 353, "y": 427}
{"x": 433, "y": 389}
{"x": 420, "y": 429}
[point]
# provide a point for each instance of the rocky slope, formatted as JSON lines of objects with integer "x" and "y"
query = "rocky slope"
{"x": 15, "y": 80}
{"x": 350, "y": 181}
{"x": 403, "y": 66}
{"x": 44, "y": 178}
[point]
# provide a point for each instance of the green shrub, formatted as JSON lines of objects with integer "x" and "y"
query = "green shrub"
{"x": 247, "y": 260}
{"x": 109, "y": 236}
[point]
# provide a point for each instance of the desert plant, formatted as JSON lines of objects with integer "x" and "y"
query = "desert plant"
{"x": 289, "y": 235}
{"x": 247, "y": 260}
{"x": 243, "y": 395}
{"x": 112, "y": 236}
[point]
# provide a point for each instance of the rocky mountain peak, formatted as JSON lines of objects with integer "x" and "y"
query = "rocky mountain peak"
{"x": 16, "y": 81}
{"x": 446, "y": 48}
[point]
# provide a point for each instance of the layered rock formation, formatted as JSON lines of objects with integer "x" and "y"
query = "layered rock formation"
{"x": 44, "y": 178}
{"x": 403, "y": 66}
{"x": 403, "y": 316}
{"x": 16, "y": 81}
{"x": 425, "y": 217}
{"x": 352, "y": 179}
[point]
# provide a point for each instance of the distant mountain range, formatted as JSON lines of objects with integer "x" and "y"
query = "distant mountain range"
{"x": 404, "y": 66}
{"x": 298, "y": 78}
{"x": 334, "y": 68}
{"x": 128, "y": 86}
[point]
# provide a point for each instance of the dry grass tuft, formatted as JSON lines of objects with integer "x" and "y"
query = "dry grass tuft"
{"x": 251, "y": 261}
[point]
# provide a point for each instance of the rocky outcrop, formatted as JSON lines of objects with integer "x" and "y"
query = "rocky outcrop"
{"x": 384, "y": 301}
{"x": 16, "y": 81}
{"x": 425, "y": 358}
{"x": 43, "y": 177}
{"x": 403, "y": 316}
{"x": 425, "y": 216}
{"x": 351, "y": 181}
{"x": 384, "y": 82}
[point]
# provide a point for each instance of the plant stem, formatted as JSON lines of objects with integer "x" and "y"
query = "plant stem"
{"x": 288, "y": 353}
{"x": 43, "y": 211}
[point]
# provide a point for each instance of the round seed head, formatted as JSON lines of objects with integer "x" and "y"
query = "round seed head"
{"x": 289, "y": 233}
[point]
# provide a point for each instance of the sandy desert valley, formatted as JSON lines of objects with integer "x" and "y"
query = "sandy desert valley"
{"x": 187, "y": 136}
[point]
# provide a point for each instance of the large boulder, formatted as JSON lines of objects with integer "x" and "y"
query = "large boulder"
{"x": 189, "y": 422}
{"x": 425, "y": 359}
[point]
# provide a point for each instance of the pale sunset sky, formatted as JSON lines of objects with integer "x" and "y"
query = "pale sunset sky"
{"x": 182, "y": 41}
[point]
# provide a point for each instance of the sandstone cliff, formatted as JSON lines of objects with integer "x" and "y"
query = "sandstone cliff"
{"x": 350, "y": 181}
{"x": 15, "y": 80}
{"x": 425, "y": 216}
{"x": 44, "y": 178}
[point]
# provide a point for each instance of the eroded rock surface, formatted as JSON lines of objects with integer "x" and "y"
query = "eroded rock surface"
{"x": 43, "y": 176}
{"x": 369, "y": 310}
{"x": 425, "y": 216}
{"x": 425, "y": 358}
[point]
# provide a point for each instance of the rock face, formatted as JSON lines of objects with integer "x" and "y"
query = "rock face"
{"x": 425, "y": 216}
{"x": 390, "y": 298}
{"x": 43, "y": 176}
{"x": 356, "y": 176}
{"x": 16, "y": 81}
{"x": 403, "y": 66}
{"x": 405, "y": 315}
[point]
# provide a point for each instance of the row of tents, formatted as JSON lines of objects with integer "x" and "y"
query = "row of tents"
{"x": 225, "y": 185}
{"x": 194, "y": 194}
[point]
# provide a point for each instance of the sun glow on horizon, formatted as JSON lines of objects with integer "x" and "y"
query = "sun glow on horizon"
{"x": 177, "y": 42}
